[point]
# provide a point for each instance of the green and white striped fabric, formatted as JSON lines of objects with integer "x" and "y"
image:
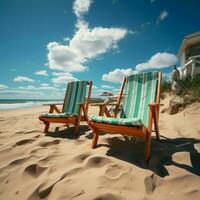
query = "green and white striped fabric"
{"x": 140, "y": 91}
{"x": 116, "y": 121}
{"x": 75, "y": 94}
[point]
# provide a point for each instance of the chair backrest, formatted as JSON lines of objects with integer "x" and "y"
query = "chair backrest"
{"x": 140, "y": 90}
{"x": 75, "y": 94}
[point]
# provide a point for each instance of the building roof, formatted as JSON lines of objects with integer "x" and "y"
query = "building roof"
{"x": 189, "y": 40}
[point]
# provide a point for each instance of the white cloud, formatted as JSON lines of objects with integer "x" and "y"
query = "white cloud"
{"x": 107, "y": 86}
{"x": 80, "y": 7}
{"x": 33, "y": 88}
{"x": 162, "y": 16}
{"x": 94, "y": 87}
{"x": 89, "y": 43}
{"x": 86, "y": 44}
{"x": 117, "y": 75}
{"x": 158, "y": 61}
{"x": 62, "y": 78}
{"x": 29, "y": 87}
{"x": 2, "y": 86}
{"x": 62, "y": 57}
{"x": 17, "y": 91}
{"x": 44, "y": 85}
{"x": 47, "y": 88}
{"x": 22, "y": 79}
{"x": 42, "y": 73}
{"x": 145, "y": 25}
{"x": 66, "y": 39}
{"x": 32, "y": 92}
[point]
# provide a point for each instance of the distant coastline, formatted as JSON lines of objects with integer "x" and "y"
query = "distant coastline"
{"x": 9, "y": 104}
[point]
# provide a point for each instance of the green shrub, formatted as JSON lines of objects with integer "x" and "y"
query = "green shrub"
{"x": 191, "y": 86}
{"x": 166, "y": 86}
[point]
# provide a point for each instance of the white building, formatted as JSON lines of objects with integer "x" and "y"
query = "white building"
{"x": 189, "y": 55}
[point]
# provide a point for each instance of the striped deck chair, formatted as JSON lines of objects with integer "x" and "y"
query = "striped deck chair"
{"x": 140, "y": 108}
{"x": 75, "y": 102}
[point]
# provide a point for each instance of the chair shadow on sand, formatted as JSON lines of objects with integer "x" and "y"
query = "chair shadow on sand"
{"x": 131, "y": 150}
{"x": 68, "y": 132}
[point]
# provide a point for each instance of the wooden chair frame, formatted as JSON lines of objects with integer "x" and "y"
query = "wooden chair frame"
{"x": 138, "y": 131}
{"x": 75, "y": 120}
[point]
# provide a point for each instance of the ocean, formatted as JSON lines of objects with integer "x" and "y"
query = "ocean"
{"x": 7, "y": 104}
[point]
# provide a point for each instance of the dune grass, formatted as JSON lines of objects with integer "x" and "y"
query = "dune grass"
{"x": 190, "y": 86}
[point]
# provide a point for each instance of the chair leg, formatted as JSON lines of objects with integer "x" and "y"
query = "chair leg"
{"x": 147, "y": 146}
{"x": 157, "y": 131}
{"x": 77, "y": 124}
{"x": 95, "y": 139}
{"x": 76, "y": 130}
{"x": 156, "y": 126}
{"x": 46, "y": 129}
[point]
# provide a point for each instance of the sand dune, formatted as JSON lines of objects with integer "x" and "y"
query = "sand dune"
{"x": 54, "y": 167}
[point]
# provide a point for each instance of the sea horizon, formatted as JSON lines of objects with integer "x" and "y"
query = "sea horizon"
{"x": 9, "y": 104}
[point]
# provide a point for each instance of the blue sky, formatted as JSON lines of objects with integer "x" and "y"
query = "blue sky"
{"x": 44, "y": 44}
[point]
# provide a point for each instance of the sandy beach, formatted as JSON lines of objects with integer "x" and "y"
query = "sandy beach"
{"x": 55, "y": 167}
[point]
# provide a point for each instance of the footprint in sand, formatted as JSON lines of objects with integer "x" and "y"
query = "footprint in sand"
{"x": 23, "y": 142}
{"x": 18, "y": 161}
{"x": 114, "y": 171}
{"x": 46, "y": 188}
{"x": 150, "y": 183}
{"x": 108, "y": 196}
{"x": 97, "y": 161}
{"x": 34, "y": 169}
{"x": 32, "y": 131}
{"x": 80, "y": 158}
{"x": 45, "y": 144}
{"x": 43, "y": 192}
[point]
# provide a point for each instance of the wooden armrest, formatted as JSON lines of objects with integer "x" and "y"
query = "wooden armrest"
{"x": 52, "y": 104}
{"x": 103, "y": 104}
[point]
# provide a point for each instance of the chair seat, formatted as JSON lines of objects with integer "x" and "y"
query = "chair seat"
{"x": 116, "y": 121}
{"x": 56, "y": 115}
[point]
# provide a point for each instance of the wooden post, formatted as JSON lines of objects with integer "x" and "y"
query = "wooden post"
{"x": 148, "y": 136}
{"x": 89, "y": 95}
{"x": 95, "y": 139}
{"x": 78, "y": 119}
{"x": 193, "y": 66}
{"x": 119, "y": 98}
{"x": 46, "y": 128}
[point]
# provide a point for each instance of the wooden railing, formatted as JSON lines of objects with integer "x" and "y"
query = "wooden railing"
{"x": 192, "y": 65}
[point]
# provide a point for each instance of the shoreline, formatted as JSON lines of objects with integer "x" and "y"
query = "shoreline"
{"x": 23, "y": 111}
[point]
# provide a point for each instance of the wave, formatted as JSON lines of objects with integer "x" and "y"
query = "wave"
{"x": 8, "y": 106}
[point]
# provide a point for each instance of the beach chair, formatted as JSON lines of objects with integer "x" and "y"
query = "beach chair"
{"x": 76, "y": 100}
{"x": 139, "y": 110}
